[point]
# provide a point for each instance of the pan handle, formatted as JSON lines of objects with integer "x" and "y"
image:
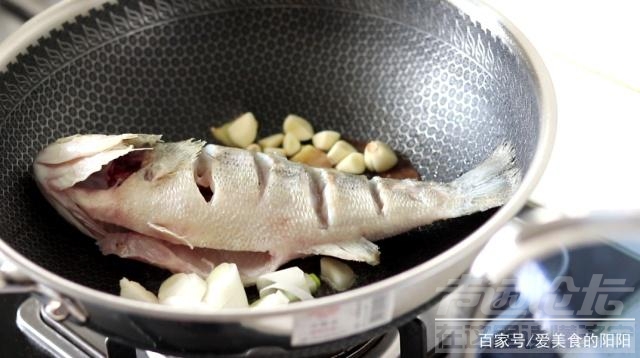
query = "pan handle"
{"x": 539, "y": 241}
{"x": 56, "y": 306}
{"x": 12, "y": 281}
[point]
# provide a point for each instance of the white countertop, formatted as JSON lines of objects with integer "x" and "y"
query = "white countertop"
{"x": 592, "y": 53}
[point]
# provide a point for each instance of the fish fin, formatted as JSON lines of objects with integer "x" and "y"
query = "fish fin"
{"x": 179, "y": 258}
{"x": 75, "y": 147}
{"x": 168, "y": 158}
{"x": 361, "y": 250}
{"x": 488, "y": 185}
{"x": 168, "y": 234}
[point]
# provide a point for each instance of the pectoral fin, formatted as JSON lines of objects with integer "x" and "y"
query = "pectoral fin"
{"x": 361, "y": 250}
{"x": 169, "y": 235}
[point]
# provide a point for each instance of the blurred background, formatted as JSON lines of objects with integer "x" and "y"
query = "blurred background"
{"x": 14, "y": 12}
{"x": 590, "y": 48}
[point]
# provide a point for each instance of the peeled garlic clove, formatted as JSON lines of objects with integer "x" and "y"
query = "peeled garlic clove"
{"x": 254, "y": 147}
{"x": 298, "y": 126}
{"x": 221, "y": 134}
{"x": 225, "y": 289}
{"x": 339, "y": 151}
{"x": 352, "y": 163}
{"x": 312, "y": 156}
{"x": 325, "y": 140}
{"x": 189, "y": 287}
{"x": 272, "y": 141}
{"x": 291, "y": 144}
{"x": 275, "y": 151}
{"x": 135, "y": 291}
{"x": 243, "y": 130}
{"x": 336, "y": 273}
{"x": 379, "y": 157}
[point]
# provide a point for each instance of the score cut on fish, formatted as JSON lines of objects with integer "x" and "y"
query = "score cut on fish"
{"x": 186, "y": 206}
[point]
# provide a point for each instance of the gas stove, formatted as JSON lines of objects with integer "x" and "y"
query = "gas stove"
{"x": 26, "y": 328}
{"x": 34, "y": 333}
{"x": 71, "y": 340}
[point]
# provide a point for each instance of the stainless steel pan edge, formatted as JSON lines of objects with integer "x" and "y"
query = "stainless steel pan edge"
{"x": 416, "y": 286}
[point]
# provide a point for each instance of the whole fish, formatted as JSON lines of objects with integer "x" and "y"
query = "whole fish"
{"x": 187, "y": 206}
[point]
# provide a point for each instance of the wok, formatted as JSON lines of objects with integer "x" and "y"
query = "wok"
{"x": 443, "y": 82}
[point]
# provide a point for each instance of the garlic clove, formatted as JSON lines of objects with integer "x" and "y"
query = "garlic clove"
{"x": 312, "y": 156}
{"x": 339, "y": 151}
{"x": 298, "y": 126}
{"x": 221, "y": 134}
{"x": 325, "y": 140}
{"x": 135, "y": 291}
{"x": 243, "y": 130}
{"x": 189, "y": 287}
{"x": 352, "y": 164}
{"x": 291, "y": 144}
{"x": 272, "y": 141}
{"x": 379, "y": 157}
{"x": 337, "y": 274}
{"x": 224, "y": 288}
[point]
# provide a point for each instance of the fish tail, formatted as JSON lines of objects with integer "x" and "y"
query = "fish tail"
{"x": 488, "y": 185}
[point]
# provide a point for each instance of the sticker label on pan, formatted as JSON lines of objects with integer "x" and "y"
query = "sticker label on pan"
{"x": 341, "y": 320}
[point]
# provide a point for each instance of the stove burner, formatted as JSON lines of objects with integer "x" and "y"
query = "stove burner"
{"x": 67, "y": 339}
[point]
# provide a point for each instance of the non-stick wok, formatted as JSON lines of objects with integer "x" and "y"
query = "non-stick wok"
{"x": 443, "y": 82}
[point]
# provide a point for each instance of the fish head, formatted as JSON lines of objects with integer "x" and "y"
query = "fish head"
{"x": 78, "y": 159}
{"x": 88, "y": 179}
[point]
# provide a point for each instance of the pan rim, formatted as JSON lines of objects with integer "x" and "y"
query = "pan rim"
{"x": 477, "y": 11}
